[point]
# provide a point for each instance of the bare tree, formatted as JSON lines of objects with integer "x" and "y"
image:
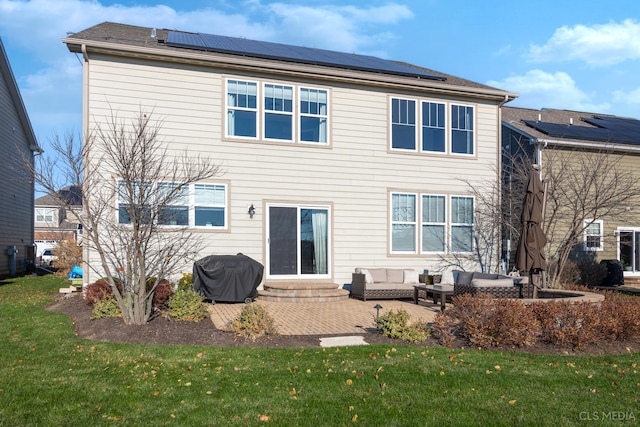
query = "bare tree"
{"x": 130, "y": 184}
{"x": 583, "y": 186}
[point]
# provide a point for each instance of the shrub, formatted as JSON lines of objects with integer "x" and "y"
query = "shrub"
{"x": 487, "y": 322}
{"x": 162, "y": 293}
{"x": 396, "y": 325}
{"x": 253, "y": 322}
{"x": 186, "y": 281}
{"x": 68, "y": 255}
{"x": 98, "y": 291}
{"x": 568, "y": 323}
{"x": 106, "y": 307}
{"x": 187, "y": 305}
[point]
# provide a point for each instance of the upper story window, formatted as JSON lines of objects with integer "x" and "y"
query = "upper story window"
{"x": 593, "y": 235}
{"x": 277, "y": 112}
{"x": 433, "y": 127}
{"x": 461, "y": 129}
{"x": 45, "y": 214}
{"x": 314, "y": 115}
{"x": 441, "y": 224}
{"x": 194, "y": 205}
{"x": 242, "y": 108}
{"x": 403, "y": 124}
{"x": 430, "y": 125}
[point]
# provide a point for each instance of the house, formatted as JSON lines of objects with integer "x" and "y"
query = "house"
{"x": 587, "y": 145}
{"x": 16, "y": 165}
{"x": 332, "y": 160}
{"x": 55, "y": 223}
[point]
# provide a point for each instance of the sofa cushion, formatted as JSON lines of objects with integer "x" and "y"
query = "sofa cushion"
{"x": 395, "y": 275}
{"x": 486, "y": 276}
{"x": 411, "y": 277}
{"x": 389, "y": 286}
{"x": 492, "y": 283}
{"x": 379, "y": 275}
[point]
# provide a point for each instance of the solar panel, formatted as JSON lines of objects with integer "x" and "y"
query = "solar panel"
{"x": 260, "y": 49}
{"x": 608, "y": 130}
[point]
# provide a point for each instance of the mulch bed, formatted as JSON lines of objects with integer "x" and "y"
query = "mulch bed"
{"x": 162, "y": 331}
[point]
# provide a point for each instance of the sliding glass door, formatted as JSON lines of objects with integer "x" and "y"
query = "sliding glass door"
{"x": 298, "y": 241}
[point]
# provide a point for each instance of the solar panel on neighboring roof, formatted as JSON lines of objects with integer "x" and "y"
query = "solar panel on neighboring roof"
{"x": 260, "y": 49}
{"x": 610, "y": 129}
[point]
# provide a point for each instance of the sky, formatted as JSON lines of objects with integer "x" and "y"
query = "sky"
{"x": 578, "y": 55}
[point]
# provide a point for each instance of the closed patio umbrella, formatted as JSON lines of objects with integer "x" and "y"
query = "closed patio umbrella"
{"x": 530, "y": 256}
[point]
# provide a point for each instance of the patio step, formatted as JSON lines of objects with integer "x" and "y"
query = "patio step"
{"x": 302, "y": 292}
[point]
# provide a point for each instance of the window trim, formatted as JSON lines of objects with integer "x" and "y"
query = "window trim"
{"x": 419, "y": 223}
{"x": 191, "y": 206}
{"x": 586, "y": 223}
{"x": 420, "y": 126}
{"x": 261, "y": 111}
{"x": 51, "y": 211}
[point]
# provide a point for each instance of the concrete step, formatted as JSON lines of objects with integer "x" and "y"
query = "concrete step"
{"x": 302, "y": 292}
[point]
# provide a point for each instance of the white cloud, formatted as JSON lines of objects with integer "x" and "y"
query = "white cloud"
{"x": 539, "y": 89}
{"x": 49, "y": 76}
{"x": 628, "y": 98}
{"x": 597, "y": 45}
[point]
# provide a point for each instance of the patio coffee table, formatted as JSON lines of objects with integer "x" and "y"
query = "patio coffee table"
{"x": 440, "y": 292}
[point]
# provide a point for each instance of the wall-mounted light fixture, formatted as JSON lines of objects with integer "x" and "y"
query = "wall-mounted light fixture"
{"x": 251, "y": 211}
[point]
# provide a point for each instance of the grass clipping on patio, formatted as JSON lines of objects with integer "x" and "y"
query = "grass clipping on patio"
{"x": 253, "y": 322}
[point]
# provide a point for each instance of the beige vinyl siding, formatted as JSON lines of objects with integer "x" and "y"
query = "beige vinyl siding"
{"x": 16, "y": 191}
{"x": 353, "y": 174}
{"x": 631, "y": 220}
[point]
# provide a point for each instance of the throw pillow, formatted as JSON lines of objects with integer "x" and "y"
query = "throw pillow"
{"x": 367, "y": 275}
{"x": 447, "y": 277}
{"x": 395, "y": 276}
{"x": 411, "y": 276}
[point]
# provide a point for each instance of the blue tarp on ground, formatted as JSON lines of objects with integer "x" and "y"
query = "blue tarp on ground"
{"x": 75, "y": 273}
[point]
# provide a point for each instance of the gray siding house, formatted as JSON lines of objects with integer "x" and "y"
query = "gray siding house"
{"x": 18, "y": 144}
{"x": 332, "y": 161}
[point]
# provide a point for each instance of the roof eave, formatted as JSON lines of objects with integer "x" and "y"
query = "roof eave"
{"x": 285, "y": 68}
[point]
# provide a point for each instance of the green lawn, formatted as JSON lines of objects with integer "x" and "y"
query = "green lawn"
{"x": 50, "y": 377}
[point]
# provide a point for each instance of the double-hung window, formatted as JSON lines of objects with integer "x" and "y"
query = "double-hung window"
{"x": 403, "y": 222}
{"x": 593, "y": 235}
{"x": 441, "y": 224}
{"x": 461, "y": 129}
{"x": 278, "y": 112}
{"x": 403, "y": 124}
{"x": 461, "y": 224}
{"x": 433, "y": 127}
{"x": 433, "y": 223}
{"x": 210, "y": 205}
{"x": 313, "y": 115}
{"x": 176, "y": 209}
{"x": 242, "y": 109}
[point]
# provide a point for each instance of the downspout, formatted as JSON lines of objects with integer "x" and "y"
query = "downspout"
{"x": 86, "y": 272}
{"x": 504, "y": 265}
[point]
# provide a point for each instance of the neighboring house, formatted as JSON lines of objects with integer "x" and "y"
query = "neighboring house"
{"x": 550, "y": 135}
{"x": 54, "y": 223}
{"x": 18, "y": 144}
{"x": 331, "y": 160}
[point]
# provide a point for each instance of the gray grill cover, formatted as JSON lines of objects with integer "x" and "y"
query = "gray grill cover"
{"x": 227, "y": 278}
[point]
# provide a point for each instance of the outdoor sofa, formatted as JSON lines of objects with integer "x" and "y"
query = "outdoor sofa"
{"x": 494, "y": 285}
{"x": 383, "y": 283}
